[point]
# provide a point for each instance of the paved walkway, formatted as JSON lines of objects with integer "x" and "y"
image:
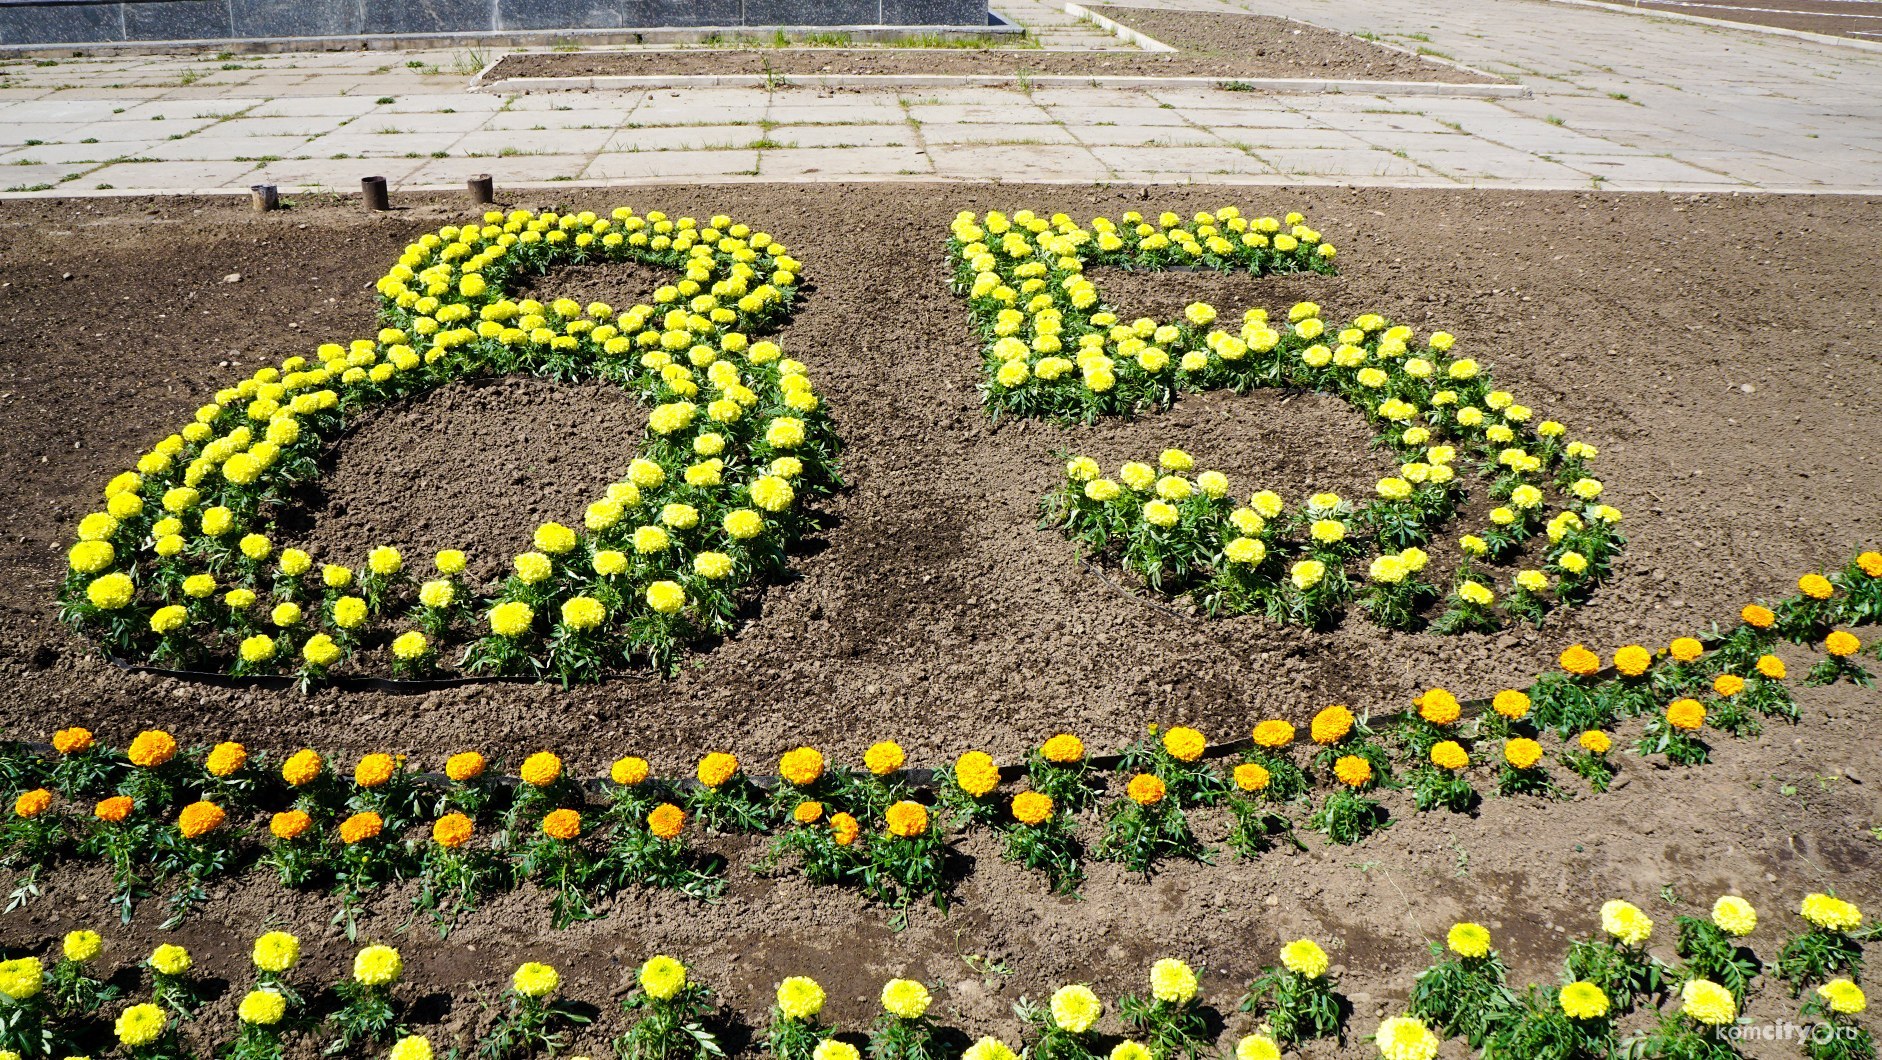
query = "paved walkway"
{"x": 1620, "y": 102}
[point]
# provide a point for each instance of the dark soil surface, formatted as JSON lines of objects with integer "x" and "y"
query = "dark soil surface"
{"x": 1719, "y": 350}
{"x": 1209, "y": 45}
{"x": 1861, "y": 19}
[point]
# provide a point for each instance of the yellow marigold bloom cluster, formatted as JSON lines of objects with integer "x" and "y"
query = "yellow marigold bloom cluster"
{"x": 1032, "y": 807}
{"x": 1583, "y": 1000}
{"x": 140, "y": 1025}
{"x": 1273, "y": 734}
{"x": 907, "y": 819}
{"x": 452, "y": 831}
{"x": 1831, "y": 913}
{"x": 844, "y": 829}
{"x": 1076, "y": 1009}
{"x": 1626, "y": 923}
{"x": 199, "y": 819}
{"x": 1734, "y": 915}
{"x": 1405, "y": 1038}
{"x": 905, "y": 999}
{"x": 1707, "y": 1002}
{"x": 1468, "y": 939}
{"x": 1772, "y": 667}
{"x": 1757, "y": 616}
{"x": 1522, "y": 753}
{"x": 1352, "y": 771}
{"x": 717, "y": 768}
{"x": 1332, "y": 725}
{"x": 1595, "y": 741}
{"x": 378, "y": 966}
{"x": 1845, "y": 998}
{"x": 629, "y": 771}
{"x": 535, "y": 980}
{"x": 800, "y": 997}
{"x": 1632, "y": 660}
{"x": 1251, "y": 777}
{"x": 262, "y": 1007}
{"x": 1686, "y": 714}
{"x": 835, "y": 1049}
{"x": 225, "y": 759}
{"x": 301, "y": 768}
{"x": 1172, "y": 981}
{"x": 1728, "y": 685}
{"x": 276, "y": 952}
{"x": 1841, "y": 643}
{"x": 290, "y": 824}
{"x": 541, "y": 769}
{"x": 1449, "y": 755}
{"x": 1816, "y": 587}
{"x": 1439, "y": 707}
{"x": 884, "y": 757}
{"x": 1511, "y": 704}
{"x": 1257, "y": 1047}
{"x": 564, "y": 824}
{"x": 1304, "y": 957}
{"x": 361, "y": 827}
{"x": 1146, "y": 789}
{"x": 1063, "y": 749}
{"x": 666, "y": 821}
{"x": 72, "y": 741}
{"x": 989, "y": 1049}
{"x": 802, "y": 766}
{"x": 465, "y": 766}
{"x": 976, "y": 774}
{"x": 1581, "y": 662}
{"x": 152, "y": 748}
{"x": 411, "y": 1047}
{"x": 21, "y": 978}
{"x": 1184, "y": 743}
{"x": 81, "y": 946}
{"x": 374, "y": 770}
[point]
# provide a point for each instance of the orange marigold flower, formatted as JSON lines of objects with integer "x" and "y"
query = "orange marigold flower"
{"x": 1032, "y": 807}
{"x": 1511, "y": 704}
{"x": 1578, "y": 660}
{"x": 374, "y": 770}
{"x": 1251, "y": 776}
{"x": 32, "y": 803}
{"x": 225, "y": 758}
{"x": 152, "y": 748}
{"x": 1870, "y": 563}
{"x": 666, "y": 821}
{"x": 844, "y": 829}
{"x": 1146, "y": 789}
{"x": 71, "y": 741}
{"x": 290, "y": 824}
{"x": 541, "y": 769}
{"x": 1439, "y": 707}
{"x": 1728, "y": 685}
{"x": 1522, "y": 752}
{"x": 884, "y": 757}
{"x": 1632, "y": 660}
{"x": 1352, "y": 770}
{"x": 717, "y": 768}
{"x": 1686, "y": 649}
{"x": 1331, "y": 725}
{"x": 808, "y": 812}
{"x": 200, "y": 818}
{"x": 976, "y": 774}
{"x": 1841, "y": 643}
{"x": 302, "y": 767}
{"x": 465, "y": 765}
{"x": 1757, "y": 616}
{"x": 1688, "y": 714}
{"x": 629, "y": 771}
{"x": 1771, "y": 666}
{"x": 451, "y": 831}
{"x": 361, "y": 827}
{"x": 1449, "y": 754}
{"x": 562, "y": 824}
{"x": 1063, "y": 749}
{"x": 801, "y": 766}
{"x": 1596, "y": 741}
{"x": 114, "y": 809}
{"x": 907, "y": 819}
{"x": 1184, "y": 743}
{"x": 1816, "y": 586}
{"x": 1273, "y": 734}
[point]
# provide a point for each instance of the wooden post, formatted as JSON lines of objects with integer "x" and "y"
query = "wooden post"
{"x": 263, "y": 197}
{"x": 373, "y": 189}
{"x": 482, "y": 188}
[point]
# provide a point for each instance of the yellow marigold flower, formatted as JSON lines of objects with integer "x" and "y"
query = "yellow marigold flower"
{"x": 1032, "y": 807}
{"x": 835, "y": 1049}
{"x": 1468, "y": 940}
{"x": 378, "y": 966}
{"x": 1841, "y": 643}
{"x": 152, "y": 748}
{"x": 1251, "y": 776}
{"x": 662, "y": 977}
{"x": 451, "y": 831}
{"x": 81, "y": 946}
{"x": 1304, "y": 957}
{"x": 1686, "y": 714}
{"x": 905, "y": 999}
{"x": 1728, "y": 685}
{"x": 717, "y": 768}
{"x": 1172, "y": 981}
{"x": 1449, "y": 754}
{"x": 1076, "y": 1009}
{"x": 562, "y": 824}
{"x": 1439, "y": 707}
{"x": 1757, "y": 616}
{"x": 907, "y": 819}
{"x": 276, "y": 952}
{"x": 976, "y": 774}
{"x": 1257, "y": 1046}
{"x": 464, "y": 766}
{"x": 1130, "y": 1050}
{"x": 1583, "y": 1001}
{"x": 1596, "y": 741}
{"x": 199, "y": 819}
{"x": 374, "y": 770}
{"x": 666, "y": 821}
{"x": 171, "y": 960}
{"x": 1331, "y": 725}
{"x": 511, "y": 618}
{"x": 114, "y": 809}
{"x": 1581, "y": 662}
{"x": 1352, "y": 771}
{"x": 262, "y": 1007}
{"x": 1184, "y": 743}
{"x": 1686, "y": 649}
{"x": 666, "y": 597}
{"x": 535, "y": 979}
{"x": 1734, "y": 915}
{"x": 1273, "y": 734}
{"x": 1405, "y": 1037}
{"x": 800, "y": 997}
{"x": 1522, "y": 752}
{"x": 21, "y": 978}
{"x": 884, "y": 758}
{"x": 802, "y": 766}
{"x": 844, "y": 829}
{"x": 989, "y": 1049}
{"x": 1870, "y": 563}
{"x": 541, "y": 769}
{"x": 807, "y": 812}
{"x": 1771, "y": 666}
{"x": 225, "y": 758}
{"x": 1063, "y": 749}
{"x": 140, "y": 1025}
{"x": 32, "y": 803}
{"x": 1816, "y": 586}
{"x": 290, "y": 824}
{"x": 1632, "y": 660}
{"x": 1146, "y": 789}
{"x": 1626, "y": 922}
{"x": 629, "y": 771}
{"x": 301, "y": 767}
{"x": 1707, "y": 1002}
{"x": 1830, "y": 912}
{"x": 1844, "y": 997}
{"x": 361, "y": 827}
{"x": 1511, "y": 704}
{"x": 72, "y": 741}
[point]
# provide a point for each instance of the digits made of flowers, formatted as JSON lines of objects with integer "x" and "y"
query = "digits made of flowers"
{"x": 184, "y": 566}
{"x": 1055, "y": 349}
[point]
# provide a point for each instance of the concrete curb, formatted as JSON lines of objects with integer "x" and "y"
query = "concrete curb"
{"x": 1292, "y": 85}
{"x": 1117, "y": 29}
{"x": 1750, "y": 27}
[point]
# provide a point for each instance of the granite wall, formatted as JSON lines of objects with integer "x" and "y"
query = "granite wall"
{"x": 26, "y": 22}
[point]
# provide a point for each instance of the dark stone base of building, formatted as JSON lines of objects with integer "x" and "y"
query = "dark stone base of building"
{"x": 106, "y": 22}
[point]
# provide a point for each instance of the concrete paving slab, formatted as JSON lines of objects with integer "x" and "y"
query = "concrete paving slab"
{"x": 40, "y": 176}
{"x": 843, "y": 163}
{"x": 671, "y": 165}
{"x": 896, "y": 134}
{"x": 990, "y": 132}
{"x": 1045, "y": 163}
{"x": 174, "y": 176}
{"x": 514, "y": 168}
{"x": 682, "y": 138}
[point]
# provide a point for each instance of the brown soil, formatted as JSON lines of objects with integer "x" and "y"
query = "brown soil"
{"x": 1840, "y": 18}
{"x": 1719, "y": 350}
{"x": 1210, "y": 45}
